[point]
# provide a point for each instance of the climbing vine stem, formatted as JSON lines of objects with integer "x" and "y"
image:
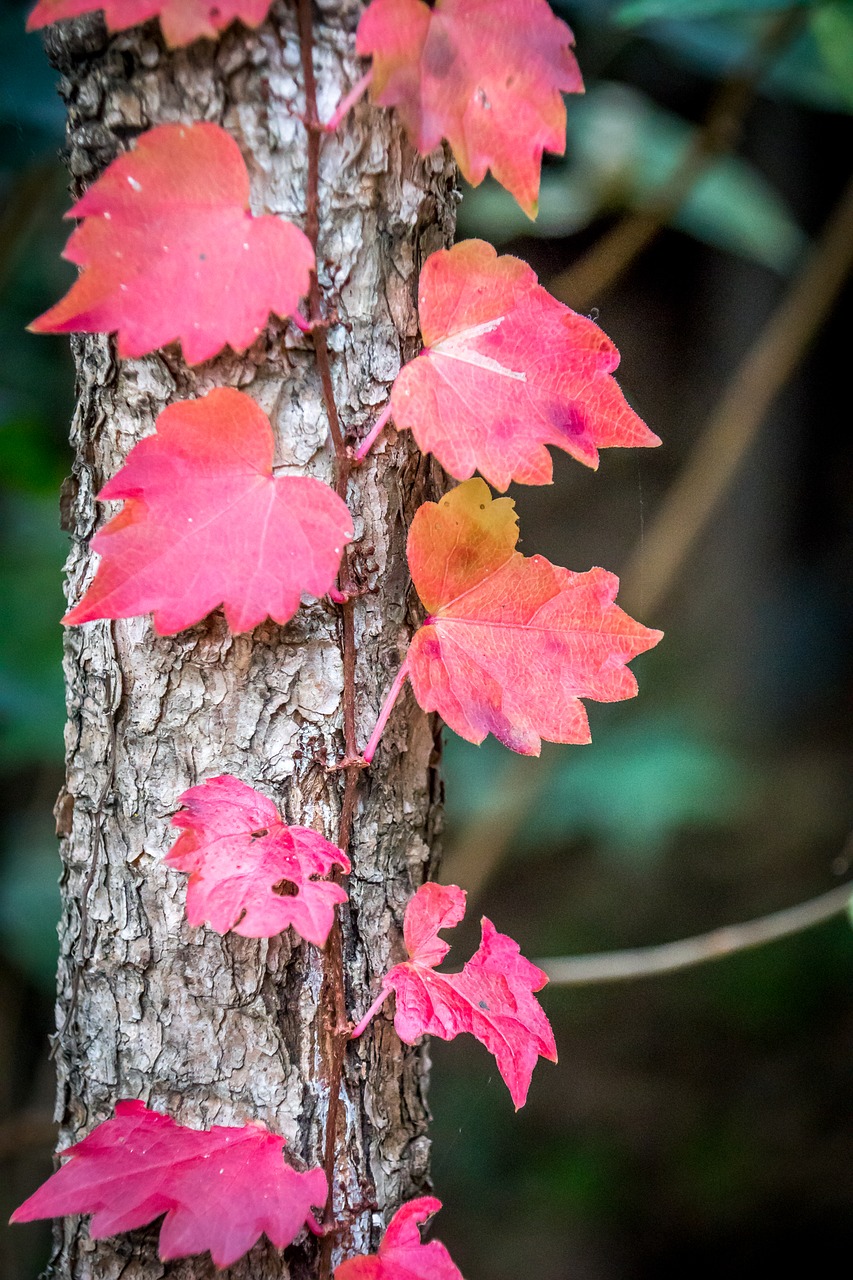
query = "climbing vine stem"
{"x": 334, "y": 1032}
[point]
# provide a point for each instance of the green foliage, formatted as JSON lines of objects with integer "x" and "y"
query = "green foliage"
{"x": 832, "y": 29}
{"x": 633, "y": 791}
{"x": 636, "y": 11}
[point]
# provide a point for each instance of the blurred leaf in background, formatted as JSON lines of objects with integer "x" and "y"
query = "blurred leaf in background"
{"x": 645, "y": 784}
{"x": 621, "y": 149}
{"x": 715, "y": 35}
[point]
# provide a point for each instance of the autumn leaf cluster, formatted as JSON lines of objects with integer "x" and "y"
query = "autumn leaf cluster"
{"x": 171, "y": 253}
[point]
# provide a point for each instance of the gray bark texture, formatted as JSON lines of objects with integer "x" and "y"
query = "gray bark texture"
{"x": 224, "y": 1030}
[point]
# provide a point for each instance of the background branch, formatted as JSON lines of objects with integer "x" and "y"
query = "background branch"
{"x": 646, "y": 962}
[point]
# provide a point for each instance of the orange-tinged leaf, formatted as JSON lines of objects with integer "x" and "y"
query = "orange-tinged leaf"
{"x": 182, "y": 21}
{"x": 205, "y": 522}
{"x": 170, "y": 251}
{"x": 512, "y": 643}
{"x": 487, "y": 75}
{"x": 507, "y": 370}
{"x": 492, "y": 998}
{"x": 249, "y": 871}
{"x": 402, "y": 1255}
{"x": 221, "y": 1189}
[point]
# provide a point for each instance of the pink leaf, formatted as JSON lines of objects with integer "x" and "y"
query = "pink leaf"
{"x": 182, "y": 21}
{"x": 205, "y": 522}
{"x": 248, "y": 871}
{"x": 487, "y": 75}
{"x": 511, "y": 643}
{"x": 171, "y": 252}
{"x": 508, "y": 370}
{"x": 220, "y": 1189}
{"x": 401, "y": 1255}
{"x": 492, "y": 998}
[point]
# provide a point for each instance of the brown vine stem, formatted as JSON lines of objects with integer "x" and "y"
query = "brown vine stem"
{"x": 646, "y": 962}
{"x": 611, "y": 256}
{"x": 333, "y": 994}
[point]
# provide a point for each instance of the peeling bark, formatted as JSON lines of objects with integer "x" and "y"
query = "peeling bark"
{"x": 225, "y": 1030}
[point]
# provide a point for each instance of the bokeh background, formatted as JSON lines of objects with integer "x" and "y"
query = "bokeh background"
{"x": 699, "y": 1122}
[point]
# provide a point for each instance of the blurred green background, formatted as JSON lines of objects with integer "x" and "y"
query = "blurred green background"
{"x": 698, "y": 1121}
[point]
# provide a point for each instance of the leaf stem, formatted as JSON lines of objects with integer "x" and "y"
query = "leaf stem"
{"x": 348, "y": 101}
{"x": 387, "y": 707}
{"x": 373, "y": 434}
{"x": 361, "y": 1026}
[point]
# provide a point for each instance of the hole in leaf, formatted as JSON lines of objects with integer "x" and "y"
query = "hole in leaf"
{"x": 286, "y": 889}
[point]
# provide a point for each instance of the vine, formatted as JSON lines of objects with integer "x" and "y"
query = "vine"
{"x": 333, "y": 995}
{"x": 509, "y": 644}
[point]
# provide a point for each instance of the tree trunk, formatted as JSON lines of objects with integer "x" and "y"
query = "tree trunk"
{"x": 224, "y": 1029}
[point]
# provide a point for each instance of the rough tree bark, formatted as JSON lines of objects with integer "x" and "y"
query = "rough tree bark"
{"x": 225, "y": 1030}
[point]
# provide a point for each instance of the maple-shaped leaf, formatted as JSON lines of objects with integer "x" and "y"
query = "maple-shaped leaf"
{"x": 487, "y": 75}
{"x": 221, "y": 1189}
{"x": 205, "y": 522}
{"x": 182, "y": 21}
{"x": 511, "y": 642}
{"x": 248, "y": 871}
{"x": 170, "y": 251}
{"x": 507, "y": 370}
{"x": 402, "y": 1255}
{"x": 492, "y": 997}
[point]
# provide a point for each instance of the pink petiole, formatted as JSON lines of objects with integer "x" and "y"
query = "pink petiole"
{"x": 370, "y": 439}
{"x": 387, "y": 707}
{"x": 348, "y": 102}
{"x": 371, "y": 1013}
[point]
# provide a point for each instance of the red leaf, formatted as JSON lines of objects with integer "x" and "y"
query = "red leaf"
{"x": 220, "y": 1189}
{"x": 182, "y": 21}
{"x": 507, "y": 370}
{"x": 205, "y": 522}
{"x": 171, "y": 252}
{"x": 248, "y": 871}
{"x": 512, "y": 643}
{"x": 492, "y": 997}
{"x": 487, "y": 75}
{"x": 401, "y": 1254}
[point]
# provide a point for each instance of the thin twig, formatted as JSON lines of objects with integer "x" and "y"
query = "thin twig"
{"x": 688, "y": 506}
{"x": 333, "y": 993}
{"x": 587, "y": 279}
{"x": 646, "y": 962}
